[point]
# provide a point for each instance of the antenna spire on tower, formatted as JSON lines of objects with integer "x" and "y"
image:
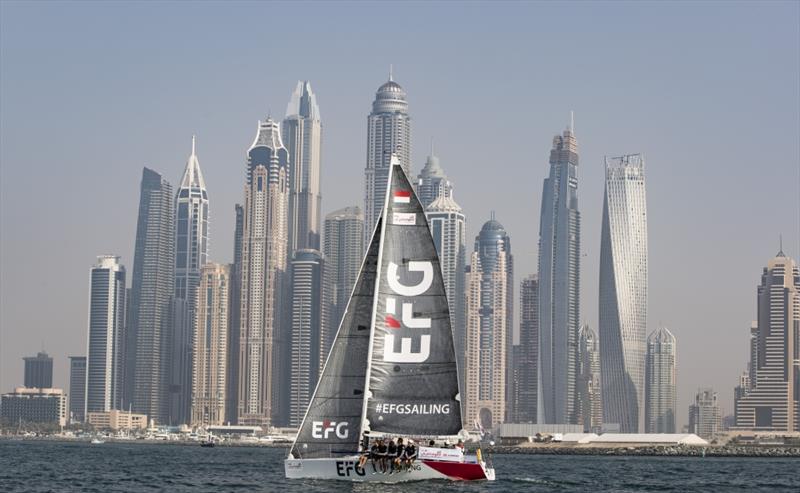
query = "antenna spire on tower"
{"x": 193, "y": 142}
{"x": 571, "y": 122}
{"x": 780, "y": 247}
{"x": 391, "y": 75}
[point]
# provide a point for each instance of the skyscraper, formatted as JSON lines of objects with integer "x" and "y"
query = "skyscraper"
{"x": 752, "y": 364}
{"x": 302, "y": 135}
{"x": 432, "y": 182}
{"x": 490, "y": 278}
{"x": 526, "y": 359}
{"x": 623, "y": 292}
{"x": 77, "y": 389}
{"x": 150, "y": 310}
{"x": 660, "y": 393}
{"x": 388, "y": 132}
{"x": 739, "y": 392}
{"x": 263, "y": 277}
{"x": 559, "y": 282}
{"x": 234, "y": 320}
{"x": 305, "y": 338}
{"x": 105, "y": 363}
{"x": 38, "y": 371}
{"x": 588, "y": 401}
{"x": 191, "y": 253}
{"x": 209, "y": 369}
{"x": 449, "y": 231}
{"x": 705, "y": 417}
{"x": 343, "y": 252}
{"x": 773, "y": 402}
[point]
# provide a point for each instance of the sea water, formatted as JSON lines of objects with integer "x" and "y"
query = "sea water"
{"x": 46, "y": 466}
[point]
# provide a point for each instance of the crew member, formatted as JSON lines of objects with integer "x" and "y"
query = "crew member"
{"x": 409, "y": 454}
{"x": 381, "y": 455}
{"x": 365, "y": 453}
{"x": 399, "y": 449}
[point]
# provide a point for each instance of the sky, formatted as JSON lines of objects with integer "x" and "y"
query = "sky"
{"x": 709, "y": 92}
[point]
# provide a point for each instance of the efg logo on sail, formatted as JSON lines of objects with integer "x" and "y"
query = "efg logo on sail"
{"x": 406, "y": 354}
{"x": 323, "y": 429}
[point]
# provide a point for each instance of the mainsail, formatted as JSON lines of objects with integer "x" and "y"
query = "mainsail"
{"x": 413, "y": 380}
{"x": 395, "y": 339}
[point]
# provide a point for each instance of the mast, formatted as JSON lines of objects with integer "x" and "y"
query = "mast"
{"x": 393, "y": 161}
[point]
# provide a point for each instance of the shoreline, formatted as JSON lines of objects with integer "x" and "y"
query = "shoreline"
{"x": 645, "y": 450}
{"x": 630, "y": 450}
{"x": 187, "y": 443}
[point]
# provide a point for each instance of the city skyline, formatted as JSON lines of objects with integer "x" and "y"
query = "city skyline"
{"x": 745, "y": 247}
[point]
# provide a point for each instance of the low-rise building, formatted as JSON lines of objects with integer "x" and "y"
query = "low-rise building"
{"x": 117, "y": 420}
{"x": 34, "y": 405}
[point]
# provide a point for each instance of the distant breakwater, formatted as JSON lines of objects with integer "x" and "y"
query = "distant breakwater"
{"x": 658, "y": 450}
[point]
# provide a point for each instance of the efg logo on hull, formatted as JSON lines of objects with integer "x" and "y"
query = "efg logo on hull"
{"x": 324, "y": 429}
{"x": 345, "y": 467}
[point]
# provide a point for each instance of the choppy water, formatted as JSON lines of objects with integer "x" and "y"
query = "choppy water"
{"x": 137, "y": 467}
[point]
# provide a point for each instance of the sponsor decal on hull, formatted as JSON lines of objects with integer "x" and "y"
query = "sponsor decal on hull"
{"x": 458, "y": 470}
{"x": 346, "y": 469}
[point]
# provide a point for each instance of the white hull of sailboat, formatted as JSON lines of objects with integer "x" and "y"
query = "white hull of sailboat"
{"x": 345, "y": 469}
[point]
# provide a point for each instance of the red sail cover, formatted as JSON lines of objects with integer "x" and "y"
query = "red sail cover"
{"x": 413, "y": 379}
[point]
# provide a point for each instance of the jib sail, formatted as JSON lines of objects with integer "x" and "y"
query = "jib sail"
{"x": 333, "y": 420}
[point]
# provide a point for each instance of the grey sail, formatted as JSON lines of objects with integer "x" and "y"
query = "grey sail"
{"x": 413, "y": 379}
{"x": 333, "y": 419}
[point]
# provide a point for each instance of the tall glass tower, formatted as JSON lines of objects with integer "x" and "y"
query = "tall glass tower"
{"x": 262, "y": 343}
{"x": 660, "y": 393}
{"x": 151, "y": 297}
{"x": 432, "y": 182}
{"x": 623, "y": 293}
{"x": 773, "y": 401}
{"x": 588, "y": 404}
{"x": 490, "y": 284}
{"x": 106, "y": 339}
{"x": 526, "y": 356}
{"x": 302, "y": 135}
{"x": 343, "y": 253}
{"x": 191, "y": 253}
{"x": 77, "y": 389}
{"x": 305, "y": 335}
{"x": 209, "y": 367}
{"x": 449, "y": 231}
{"x": 559, "y": 283}
{"x": 388, "y": 131}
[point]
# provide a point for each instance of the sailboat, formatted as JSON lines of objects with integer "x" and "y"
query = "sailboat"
{"x": 391, "y": 371}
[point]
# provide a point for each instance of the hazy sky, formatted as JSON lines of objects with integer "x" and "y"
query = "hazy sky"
{"x": 709, "y": 92}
